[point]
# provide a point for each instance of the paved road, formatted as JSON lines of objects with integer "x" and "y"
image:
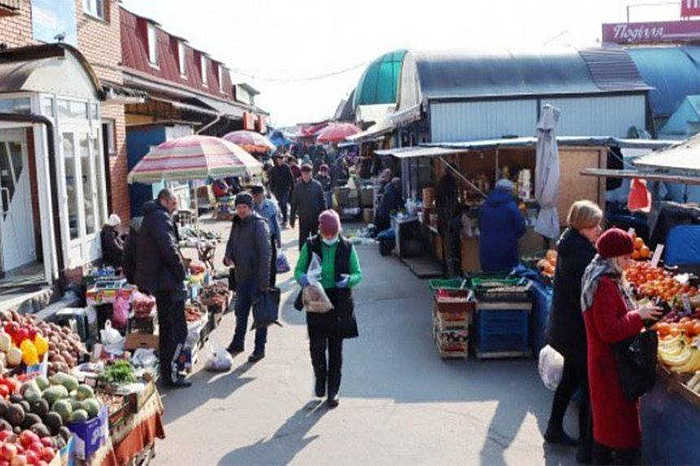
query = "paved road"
{"x": 400, "y": 403}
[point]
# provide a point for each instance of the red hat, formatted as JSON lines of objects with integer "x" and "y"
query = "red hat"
{"x": 329, "y": 223}
{"x": 615, "y": 243}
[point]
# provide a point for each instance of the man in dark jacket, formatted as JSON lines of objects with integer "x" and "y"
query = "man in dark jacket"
{"x": 308, "y": 202}
{"x": 248, "y": 250}
{"x": 161, "y": 272}
{"x": 501, "y": 225}
{"x": 281, "y": 184}
{"x": 392, "y": 200}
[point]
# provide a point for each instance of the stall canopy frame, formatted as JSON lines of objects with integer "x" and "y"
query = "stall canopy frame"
{"x": 649, "y": 176}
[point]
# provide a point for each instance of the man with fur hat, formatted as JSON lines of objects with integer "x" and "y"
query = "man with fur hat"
{"x": 248, "y": 251}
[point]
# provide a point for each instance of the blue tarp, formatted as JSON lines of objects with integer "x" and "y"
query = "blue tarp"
{"x": 541, "y": 304}
{"x": 683, "y": 245}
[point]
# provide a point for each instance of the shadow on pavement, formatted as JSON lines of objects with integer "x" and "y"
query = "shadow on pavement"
{"x": 205, "y": 386}
{"x": 285, "y": 443}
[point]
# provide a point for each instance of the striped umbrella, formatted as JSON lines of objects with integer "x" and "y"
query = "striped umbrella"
{"x": 336, "y": 132}
{"x": 194, "y": 158}
{"x": 251, "y": 141}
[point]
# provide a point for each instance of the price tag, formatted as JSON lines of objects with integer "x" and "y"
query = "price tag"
{"x": 686, "y": 304}
{"x": 657, "y": 255}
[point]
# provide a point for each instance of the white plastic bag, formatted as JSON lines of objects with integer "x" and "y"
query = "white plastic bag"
{"x": 313, "y": 295}
{"x": 219, "y": 361}
{"x": 111, "y": 339}
{"x": 551, "y": 367}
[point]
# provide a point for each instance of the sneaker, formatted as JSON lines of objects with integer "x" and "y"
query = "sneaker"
{"x": 180, "y": 383}
{"x": 332, "y": 403}
{"x": 234, "y": 351}
{"x": 255, "y": 357}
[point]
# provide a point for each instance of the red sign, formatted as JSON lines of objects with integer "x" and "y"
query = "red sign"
{"x": 690, "y": 8}
{"x": 649, "y": 33}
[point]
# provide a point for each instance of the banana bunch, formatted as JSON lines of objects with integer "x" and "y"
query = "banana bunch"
{"x": 694, "y": 383}
{"x": 679, "y": 354}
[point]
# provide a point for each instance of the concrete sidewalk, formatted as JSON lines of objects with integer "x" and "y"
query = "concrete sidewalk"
{"x": 400, "y": 403}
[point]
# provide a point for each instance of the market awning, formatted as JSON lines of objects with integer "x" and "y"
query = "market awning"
{"x": 373, "y": 132}
{"x": 561, "y": 140}
{"x": 117, "y": 94}
{"x": 683, "y": 157}
{"x": 649, "y": 176}
{"x": 418, "y": 151}
{"x": 223, "y": 108}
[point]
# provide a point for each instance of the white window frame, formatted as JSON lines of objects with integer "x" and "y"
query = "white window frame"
{"x": 95, "y": 8}
{"x": 111, "y": 135}
{"x": 203, "y": 66}
{"x": 182, "y": 58}
{"x": 152, "y": 34}
{"x": 221, "y": 77}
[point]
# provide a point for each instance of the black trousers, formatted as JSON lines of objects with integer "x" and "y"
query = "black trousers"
{"x": 327, "y": 369}
{"x": 574, "y": 377}
{"x": 306, "y": 229}
{"x": 605, "y": 455}
{"x": 173, "y": 333}
{"x": 283, "y": 201}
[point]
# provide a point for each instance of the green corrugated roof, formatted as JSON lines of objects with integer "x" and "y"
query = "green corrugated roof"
{"x": 380, "y": 81}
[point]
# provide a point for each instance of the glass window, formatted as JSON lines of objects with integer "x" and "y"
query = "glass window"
{"x": 152, "y": 44}
{"x": 7, "y": 182}
{"x": 54, "y": 21}
{"x": 88, "y": 179}
{"x": 21, "y": 105}
{"x": 181, "y": 51}
{"x": 94, "y": 112}
{"x": 72, "y": 109}
{"x": 47, "y": 107}
{"x": 97, "y": 166}
{"x": 204, "y": 70}
{"x": 71, "y": 186}
{"x": 95, "y": 8}
{"x": 221, "y": 77}
{"x": 108, "y": 132}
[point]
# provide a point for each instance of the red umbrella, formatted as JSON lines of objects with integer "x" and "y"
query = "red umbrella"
{"x": 250, "y": 141}
{"x": 336, "y": 132}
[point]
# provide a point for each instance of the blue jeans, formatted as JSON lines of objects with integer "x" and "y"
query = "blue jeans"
{"x": 245, "y": 293}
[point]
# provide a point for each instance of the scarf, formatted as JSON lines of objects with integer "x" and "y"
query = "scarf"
{"x": 598, "y": 268}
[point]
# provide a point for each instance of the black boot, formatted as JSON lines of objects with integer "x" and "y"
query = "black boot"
{"x": 556, "y": 435}
{"x": 320, "y": 387}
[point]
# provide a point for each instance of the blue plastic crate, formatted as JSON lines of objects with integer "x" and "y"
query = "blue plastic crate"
{"x": 502, "y": 330}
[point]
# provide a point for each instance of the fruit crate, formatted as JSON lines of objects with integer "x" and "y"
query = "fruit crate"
{"x": 501, "y": 289}
{"x": 501, "y": 330}
{"x": 453, "y": 315}
{"x": 449, "y": 349}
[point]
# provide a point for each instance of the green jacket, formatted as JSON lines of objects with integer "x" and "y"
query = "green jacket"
{"x": 328, "y": 266}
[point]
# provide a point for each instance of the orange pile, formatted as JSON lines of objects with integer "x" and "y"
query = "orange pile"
{"x": 548, "y": 264}
{"x": 687, "y": 326}
{"x": 655, "y": 282}
{"x": 641, "y": 250}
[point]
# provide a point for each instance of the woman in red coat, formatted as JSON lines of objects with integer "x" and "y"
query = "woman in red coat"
{"x": 608, "y": 319}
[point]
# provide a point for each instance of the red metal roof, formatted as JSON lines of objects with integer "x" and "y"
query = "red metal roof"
{"x": 135, "y": 56}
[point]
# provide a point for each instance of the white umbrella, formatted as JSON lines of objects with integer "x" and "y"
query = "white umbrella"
{"x": 547, "y": 173}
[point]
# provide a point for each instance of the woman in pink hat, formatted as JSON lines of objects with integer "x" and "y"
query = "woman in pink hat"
{"x": 340, "y": 272}
{"x": 609, "y": 319}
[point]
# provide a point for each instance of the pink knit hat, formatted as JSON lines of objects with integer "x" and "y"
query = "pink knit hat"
{"x": 329, "y": 223}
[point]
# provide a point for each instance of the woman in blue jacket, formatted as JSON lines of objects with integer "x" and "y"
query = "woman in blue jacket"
{"x": 501, "y": 225}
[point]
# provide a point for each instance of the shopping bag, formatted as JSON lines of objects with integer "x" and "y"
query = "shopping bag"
{"x": 635, "y": 359}
{"x": 219, "y": 361}
{"x": 313, "y": 296}
{"x": 282, "y": 264}
{"x": 551, "y": 367}
{"x": 266, "y": 309}
{"x": 120, "y": 311}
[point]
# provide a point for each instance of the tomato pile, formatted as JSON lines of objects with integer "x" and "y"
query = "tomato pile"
{"x": 654, "y": 282}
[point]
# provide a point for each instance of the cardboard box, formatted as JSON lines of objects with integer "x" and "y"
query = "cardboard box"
{"x": 89, "y": 436}
{"x": 138, "y": 340}
{"x": 368, "y": 215}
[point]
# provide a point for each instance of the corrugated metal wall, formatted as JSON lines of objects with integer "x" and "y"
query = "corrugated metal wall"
{"x": 599, "y": 116}
{"x": 468, "y": 121}
{"x": 581, "y": 116}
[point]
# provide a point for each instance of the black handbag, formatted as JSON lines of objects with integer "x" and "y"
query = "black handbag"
{"x": 266, "y": 309}
{"x": 635, "y": 359}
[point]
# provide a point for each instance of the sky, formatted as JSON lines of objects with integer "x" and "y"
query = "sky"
{"x": 278, "y": 46}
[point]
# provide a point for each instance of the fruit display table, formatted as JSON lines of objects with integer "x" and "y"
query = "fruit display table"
{"x": 670, "y": 417}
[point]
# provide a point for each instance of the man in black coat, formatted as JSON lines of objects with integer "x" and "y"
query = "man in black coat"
{"x": 281, "y": 184}
{"x": 391, "y": 200}
{"x": 160, "y": 271}
{"x": 308, "y": 202}
{"x": 249, "y": 251}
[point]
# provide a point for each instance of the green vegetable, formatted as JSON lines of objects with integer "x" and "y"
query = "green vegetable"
{"x": 120, "y": 372}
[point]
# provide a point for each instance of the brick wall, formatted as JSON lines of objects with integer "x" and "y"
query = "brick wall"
{"x": 100, "y": 42}
{"x": 16, "y": 31}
